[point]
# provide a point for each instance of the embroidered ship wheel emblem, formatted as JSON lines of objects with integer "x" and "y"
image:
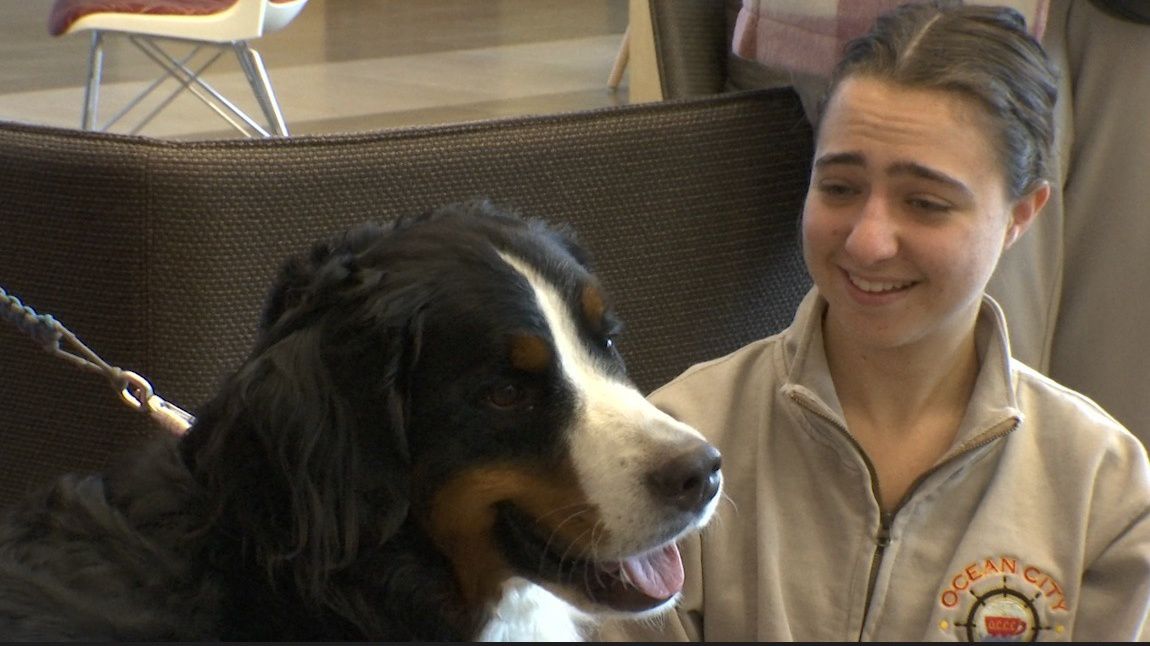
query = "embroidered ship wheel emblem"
{"x": 1001, "y": 615}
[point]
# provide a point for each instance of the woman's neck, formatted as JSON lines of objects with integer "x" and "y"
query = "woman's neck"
{"x": 903, "y": 406}
{"x": 893, "y": 387}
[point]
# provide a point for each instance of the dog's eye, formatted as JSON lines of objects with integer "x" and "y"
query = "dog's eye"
{"x": 506, "y": 395}
{"x": 610, "y": 329}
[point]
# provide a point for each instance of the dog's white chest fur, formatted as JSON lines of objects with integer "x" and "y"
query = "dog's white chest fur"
{"x": 527, "y": 612}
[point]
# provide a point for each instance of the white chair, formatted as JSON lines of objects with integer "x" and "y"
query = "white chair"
{"x": 213, "y": 26}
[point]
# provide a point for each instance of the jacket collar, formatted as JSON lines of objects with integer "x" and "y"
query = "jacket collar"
{"x": 993, "y": 409}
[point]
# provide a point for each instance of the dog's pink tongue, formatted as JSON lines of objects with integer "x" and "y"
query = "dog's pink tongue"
{"x": 657, "y": 574}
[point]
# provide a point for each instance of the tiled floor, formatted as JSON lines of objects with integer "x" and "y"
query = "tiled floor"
{"x": 348, "y": 65}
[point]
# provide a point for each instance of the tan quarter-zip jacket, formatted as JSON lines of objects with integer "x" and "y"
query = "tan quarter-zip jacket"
{"x": 1036, "y": 523}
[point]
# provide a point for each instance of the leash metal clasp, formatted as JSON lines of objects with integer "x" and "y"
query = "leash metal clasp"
{"x": 138, "y": 394}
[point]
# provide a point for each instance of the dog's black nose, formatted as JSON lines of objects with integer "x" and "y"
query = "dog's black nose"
{"x": 689, "y": 480}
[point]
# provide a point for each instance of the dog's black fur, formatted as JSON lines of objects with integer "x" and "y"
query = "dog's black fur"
{"x": 296, "y": 508}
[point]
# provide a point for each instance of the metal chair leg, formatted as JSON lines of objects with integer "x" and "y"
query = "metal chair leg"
{"x": 193, "y": 82}
{"x": 253, "y": 66}
{"x": 188, "y": 79}
{"x": 92, "y": 88}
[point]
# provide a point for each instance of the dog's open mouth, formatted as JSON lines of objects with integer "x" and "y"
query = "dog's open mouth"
{"x": 633, "y": 584}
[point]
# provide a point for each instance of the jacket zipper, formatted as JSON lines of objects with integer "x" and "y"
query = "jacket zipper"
{"x": 886, "y": 519}
{"x": 882, "y": 540}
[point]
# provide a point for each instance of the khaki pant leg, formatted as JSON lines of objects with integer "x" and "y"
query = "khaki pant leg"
{"x": 1101, "y": 346}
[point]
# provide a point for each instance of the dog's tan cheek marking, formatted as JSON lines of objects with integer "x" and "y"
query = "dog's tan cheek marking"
{"x": 594, "y": 307}
{"x": 462, "y": 519}
{"x": 530, "y": 353}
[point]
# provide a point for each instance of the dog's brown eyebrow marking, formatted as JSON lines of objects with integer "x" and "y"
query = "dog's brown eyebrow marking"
{"x": 594, "y": 307}
{"x": 530, "y": 353}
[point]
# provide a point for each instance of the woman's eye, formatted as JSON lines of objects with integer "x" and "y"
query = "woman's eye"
{"x": 506, "y": 395}
{"x": 928, "y": 205}
{"x": 836, "y": 190}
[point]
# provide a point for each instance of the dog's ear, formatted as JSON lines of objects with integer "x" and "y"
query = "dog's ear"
{"x": 330, "y": 263}
{"x": 563, "y": 236}
{"x": 304, "y": 450}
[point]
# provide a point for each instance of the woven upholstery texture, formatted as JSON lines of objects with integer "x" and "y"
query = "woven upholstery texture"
{"x": 693, "y": 50}
{"x": 691, "y": 46}
{"x": 158, "y": 254}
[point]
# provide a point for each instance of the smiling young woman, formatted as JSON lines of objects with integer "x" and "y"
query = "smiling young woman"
{"x": 903, "y": 226}
{"x": 886, "y": 445}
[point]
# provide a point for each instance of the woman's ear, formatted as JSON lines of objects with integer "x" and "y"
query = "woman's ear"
{"x": 1024, "y": 211}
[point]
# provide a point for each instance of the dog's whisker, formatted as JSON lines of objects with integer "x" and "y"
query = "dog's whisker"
{"x": 718, "y": 518}
{"x": 581, "y": 505}
{"x": 594, "y": 549}
{"x": 729, "y": 500}
{"x": 573, "y": 560}
{"x": 555, "y": 531}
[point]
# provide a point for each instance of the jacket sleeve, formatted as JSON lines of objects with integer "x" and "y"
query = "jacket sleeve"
{"x": 1114, "y": 602}
{"x": 1115, "y": 597}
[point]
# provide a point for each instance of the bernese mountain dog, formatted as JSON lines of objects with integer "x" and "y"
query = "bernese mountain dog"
{"x": 434, "y": 438}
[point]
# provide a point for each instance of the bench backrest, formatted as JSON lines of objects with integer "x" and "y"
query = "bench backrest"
{"x": 158, "y": 253}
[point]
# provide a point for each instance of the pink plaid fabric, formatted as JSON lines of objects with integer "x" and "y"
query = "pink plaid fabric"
{"x": 807, "y": 36}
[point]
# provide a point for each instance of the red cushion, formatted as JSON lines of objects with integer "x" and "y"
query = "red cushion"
{"x": 66, "y": 12}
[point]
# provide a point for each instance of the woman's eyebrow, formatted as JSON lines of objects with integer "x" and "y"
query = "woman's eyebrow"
{"x": 914, "y": 169}
{"x": 847, "y": 158}
{"x": 925, "y": 172}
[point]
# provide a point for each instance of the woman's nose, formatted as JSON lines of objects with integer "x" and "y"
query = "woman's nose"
{"x": 874, "y": 235}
